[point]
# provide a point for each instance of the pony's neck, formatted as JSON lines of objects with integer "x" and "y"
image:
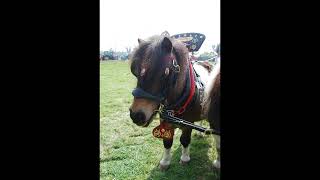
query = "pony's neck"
{"x": 178, "y": 90}
{"x": 182, "y": 55}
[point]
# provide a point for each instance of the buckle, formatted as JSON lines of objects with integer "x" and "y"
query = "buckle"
{"x": 176, "y": 67}
{"x": 161, "y": 109}
{"x": 170, "y": 113}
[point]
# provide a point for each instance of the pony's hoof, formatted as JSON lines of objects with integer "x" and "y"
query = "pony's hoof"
{"x": 216, "y": 164}
{"x": 184, "y": 162}
{"x": 164, "y": 167}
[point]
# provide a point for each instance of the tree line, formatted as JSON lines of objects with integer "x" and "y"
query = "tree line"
{"x": 112, "y": 54}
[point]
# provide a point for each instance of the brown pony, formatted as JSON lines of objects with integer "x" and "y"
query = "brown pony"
{"x": 165, "y": 76}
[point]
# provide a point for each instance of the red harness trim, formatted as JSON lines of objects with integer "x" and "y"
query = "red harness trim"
{"x": 192, "y": 90}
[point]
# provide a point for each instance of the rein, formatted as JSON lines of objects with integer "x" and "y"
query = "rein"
{"x": 170, "y": 118}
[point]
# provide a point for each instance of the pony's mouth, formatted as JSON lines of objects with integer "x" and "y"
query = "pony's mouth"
{"x": 149, "y": 120}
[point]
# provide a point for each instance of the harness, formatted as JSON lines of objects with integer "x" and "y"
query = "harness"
{"x": 170, "y": 113}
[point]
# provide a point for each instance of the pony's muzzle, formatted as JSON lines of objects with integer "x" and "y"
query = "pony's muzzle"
{"x": 138, "y": 118}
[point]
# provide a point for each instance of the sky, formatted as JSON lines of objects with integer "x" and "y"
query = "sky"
{"x": 122, "y": 22}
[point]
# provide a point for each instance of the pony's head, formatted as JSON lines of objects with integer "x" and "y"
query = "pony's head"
{"x": 154, "y": 63}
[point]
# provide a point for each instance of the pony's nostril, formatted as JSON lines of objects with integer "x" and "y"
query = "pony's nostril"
{"x": 140, "y": 117}
{"x": 132, "y": 115}
{"x": 137, "y": 117}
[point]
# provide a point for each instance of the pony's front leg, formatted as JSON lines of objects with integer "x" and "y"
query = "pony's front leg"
{"x": 166, "y": 159}
{"x": 185, "y": 141}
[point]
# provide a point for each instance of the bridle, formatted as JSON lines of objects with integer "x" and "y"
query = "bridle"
{"x": 188, "y": 93}
{"x": 162, "y": 96}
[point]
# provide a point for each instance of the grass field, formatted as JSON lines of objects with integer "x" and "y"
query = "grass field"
{"x": 131, "y": 152}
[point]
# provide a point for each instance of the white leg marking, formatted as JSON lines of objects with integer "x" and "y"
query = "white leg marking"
{"x": 185, "y": 157}
{"x": 165, "y": 161}
{"x": 216, "y": 164}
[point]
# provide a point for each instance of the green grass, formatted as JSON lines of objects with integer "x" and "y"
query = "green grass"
{"x": 131, "y": 152}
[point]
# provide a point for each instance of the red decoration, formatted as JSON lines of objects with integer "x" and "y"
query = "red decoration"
{"x": 163, "y": 131}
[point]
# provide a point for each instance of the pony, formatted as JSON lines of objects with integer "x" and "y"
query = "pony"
{"x": 165, "y": 76}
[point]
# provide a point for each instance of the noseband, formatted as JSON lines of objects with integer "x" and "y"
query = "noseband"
{"x": 140, "y": 93}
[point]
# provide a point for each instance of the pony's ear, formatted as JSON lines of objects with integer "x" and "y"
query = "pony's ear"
{"x": 166, "y": 45}
{"x": 140, "y": 41}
